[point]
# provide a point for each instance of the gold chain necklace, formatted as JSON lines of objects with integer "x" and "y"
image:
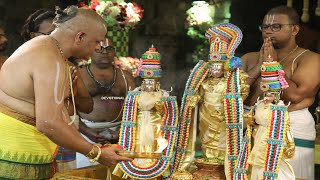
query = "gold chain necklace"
{"x": 283, "y": 59}
{"x": 59, "y": 47}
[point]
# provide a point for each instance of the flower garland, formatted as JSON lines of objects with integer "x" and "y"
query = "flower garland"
{"x": 277, "y": 126}
{"x": 128, "y": 136}
{"x": 233, "y": 107}
{"x": 119, "y": 14}
{"x": 129, "y": 64}
{"x": 197, "y": 75}
{"x": 199, "y": 19}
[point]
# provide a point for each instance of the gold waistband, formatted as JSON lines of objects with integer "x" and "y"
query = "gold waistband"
{"x": 17, "y": 115}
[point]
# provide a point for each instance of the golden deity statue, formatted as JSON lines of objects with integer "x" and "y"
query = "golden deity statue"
{"x": 216, "y": 89}
{"x": 149, "y": 125}
{"x": 269, "y": 125}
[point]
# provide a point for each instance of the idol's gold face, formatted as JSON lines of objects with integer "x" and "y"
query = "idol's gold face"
{"x": 217, "y": 69}
{"x": 268, "y": 98}
{"x": 149, "y": 85}
{"x": 272, "y": 97}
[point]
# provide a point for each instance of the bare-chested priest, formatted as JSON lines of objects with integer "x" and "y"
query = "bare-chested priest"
{"x": 302, "y": 72}
{"x": 108, "y": 87}
{"x": 35, "y": 80}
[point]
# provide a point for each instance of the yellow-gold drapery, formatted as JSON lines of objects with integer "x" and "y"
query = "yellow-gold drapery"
{"x": 25, "y": 153}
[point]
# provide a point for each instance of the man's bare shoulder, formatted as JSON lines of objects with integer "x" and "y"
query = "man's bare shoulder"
{"x": 310, "y": 59}
{"x": 313, "y": 56}
{"x": 36, "y": 53}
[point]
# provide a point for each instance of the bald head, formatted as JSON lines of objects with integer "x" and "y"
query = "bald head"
{"x": 80, "y": 30}
{"x": 78, "y": 19}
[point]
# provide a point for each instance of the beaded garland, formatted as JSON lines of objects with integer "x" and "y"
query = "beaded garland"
{"x": 242, "y": 167}
{"x": 277, "y": 126}
{"x": 128, "y": 135}
{"x": 129, "y": 121}
{"x": 233, "y": 107}
{"x": 197, "y": 75}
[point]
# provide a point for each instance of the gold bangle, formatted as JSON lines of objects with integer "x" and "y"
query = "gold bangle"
{"x": 95, "y": 159}
{"x": 90, "y": 153}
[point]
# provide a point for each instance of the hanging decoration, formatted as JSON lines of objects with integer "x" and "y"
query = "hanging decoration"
{"x": 120, "y": 17}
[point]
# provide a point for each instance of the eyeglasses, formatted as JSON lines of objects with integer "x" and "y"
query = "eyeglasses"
{"x": 273, "y": 27}
{"x": 43, "y": 33}
{"x": 107, "y": 48}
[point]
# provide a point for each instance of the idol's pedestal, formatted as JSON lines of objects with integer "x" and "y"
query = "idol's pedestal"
{"x": 209, "y": 171}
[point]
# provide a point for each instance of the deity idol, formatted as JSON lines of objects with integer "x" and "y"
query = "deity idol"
{"x": 218, "y": 87}
{"x": 149, "y": 125}
{"x": 268, "y": 122}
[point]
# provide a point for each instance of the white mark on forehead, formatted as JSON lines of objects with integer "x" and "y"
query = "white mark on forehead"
{"x": 105, "y": 43}
{"x": 269, "y": 19}
{"x": 56, "y": 85}
{"x": 272, "y": 19}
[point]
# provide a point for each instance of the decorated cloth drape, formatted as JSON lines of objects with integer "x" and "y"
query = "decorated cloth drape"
{"x": 25, "y": 153}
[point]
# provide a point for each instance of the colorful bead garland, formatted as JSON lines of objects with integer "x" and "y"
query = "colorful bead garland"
{"x": 277, "y": 126}
{"x": 242, "y": 166}
{"x": 128, "y": 136}
{"x": 197, "y": 75}
{"x": 233, "y": 107}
